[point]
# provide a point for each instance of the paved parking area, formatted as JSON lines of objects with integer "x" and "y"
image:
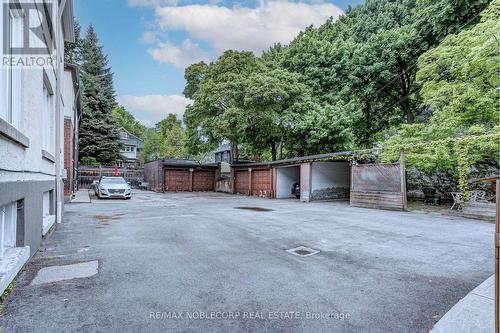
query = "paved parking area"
{"x": 164, "y": 260}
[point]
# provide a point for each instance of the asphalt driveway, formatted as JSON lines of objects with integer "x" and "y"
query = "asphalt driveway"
{"x": 197, "y": 263}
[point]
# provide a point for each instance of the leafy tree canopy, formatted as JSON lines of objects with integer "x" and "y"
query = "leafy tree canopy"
{"x": 126, "y": 120}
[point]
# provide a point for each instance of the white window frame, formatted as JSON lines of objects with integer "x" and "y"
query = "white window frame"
{"x": 46, "y": 204}
{"x": 8, "y": 217}
{"x": 48, "y": 117}
{"x": 10, "y": 77}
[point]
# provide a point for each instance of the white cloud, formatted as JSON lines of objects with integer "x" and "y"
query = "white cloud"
{"x": 179, "y": 56}
{"x": 151, "y": 109}
{"x": 154, "y": 3}
{"x": 244, "y": 28}
{"x": 149, "y": 37}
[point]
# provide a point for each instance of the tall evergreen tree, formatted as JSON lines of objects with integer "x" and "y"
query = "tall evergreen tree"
{"x": 98, "y": 131}
{"x": 73, "y": 51}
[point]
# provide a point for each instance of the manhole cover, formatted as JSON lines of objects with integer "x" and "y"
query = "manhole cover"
{"x": 303, "y": 251}
{"x": 256, "y": 209}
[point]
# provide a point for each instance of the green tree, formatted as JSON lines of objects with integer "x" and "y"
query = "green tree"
{"x": 219, "y": 101}
{"x": 152, "y": 144}
{"x": 73, "y": 51}
{"x": 460, "y": 77}
{"x": 271, "y": 98}
{"x": 174, "y": 143}
{"x": 98, "y": 135}
{"x": 126, "y": 120}
{"x": 435, "y": 19}
{"x": 459, "y": 82}
{"x": 194, "y": 76}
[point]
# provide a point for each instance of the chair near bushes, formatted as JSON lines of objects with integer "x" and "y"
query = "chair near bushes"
{"x": 431, "y": 196}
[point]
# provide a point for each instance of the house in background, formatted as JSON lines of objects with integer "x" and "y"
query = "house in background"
{"x": 223, "y": 154}
{"x": 72, "y": 114}
{"x": 132, "y": 149}
{"x": 32, "y": 103}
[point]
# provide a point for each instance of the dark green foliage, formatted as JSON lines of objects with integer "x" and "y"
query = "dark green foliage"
{"x": 73, "y": 51}
{"x": 194, "y": 76}
{"x": 98, "y": 136}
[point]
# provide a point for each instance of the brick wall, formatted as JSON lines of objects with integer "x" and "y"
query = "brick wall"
{"x": 68, "y": 157}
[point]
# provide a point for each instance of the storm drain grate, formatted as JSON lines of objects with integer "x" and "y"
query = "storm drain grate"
{"x": 303, "y": 251}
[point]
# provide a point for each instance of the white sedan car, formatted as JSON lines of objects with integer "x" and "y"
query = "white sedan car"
{"x": 114, "y": 187}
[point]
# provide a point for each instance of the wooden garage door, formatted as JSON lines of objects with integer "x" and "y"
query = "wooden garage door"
{"x": 261, "y": 183}
{"x": 241, "y": 182}
{"x": 203, "y": 181}
{"x": 176, "y": 180}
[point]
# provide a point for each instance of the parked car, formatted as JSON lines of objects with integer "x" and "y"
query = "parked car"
{"x": 296, "y": 190}
{"x": 114, "y": 187}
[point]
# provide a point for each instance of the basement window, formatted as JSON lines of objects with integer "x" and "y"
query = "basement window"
{"x": 8, "y": 227}
{"x": 48, "y": 218}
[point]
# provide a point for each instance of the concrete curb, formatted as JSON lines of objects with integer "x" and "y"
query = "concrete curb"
{"x": 81, "y": 196}
{"x": 473, "y": 313}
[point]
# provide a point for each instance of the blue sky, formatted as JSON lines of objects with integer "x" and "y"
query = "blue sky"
{"x": 150, "y": 42}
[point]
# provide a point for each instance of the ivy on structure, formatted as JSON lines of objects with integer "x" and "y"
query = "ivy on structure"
{"x": 463, "y": 149}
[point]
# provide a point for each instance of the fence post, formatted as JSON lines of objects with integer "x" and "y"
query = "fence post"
{"x": 191, "y": 172}
{"x": 403, "y": 179}
{"x": 250, "y": 182}
{"x": 497, "y": 260}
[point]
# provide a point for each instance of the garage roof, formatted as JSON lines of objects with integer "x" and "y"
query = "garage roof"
{"x": 180, "y": 163}
{"x": 296, "y": 160}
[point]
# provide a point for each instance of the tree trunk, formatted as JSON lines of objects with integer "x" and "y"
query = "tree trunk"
{"x": 406, "y": 106}
{"x": 235, "y": 154}
{"x": 368, "y": 119}
{"x": 274, "y": 151}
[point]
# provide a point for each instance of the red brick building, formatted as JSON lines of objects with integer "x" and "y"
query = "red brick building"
{"x": 72, "y": 114}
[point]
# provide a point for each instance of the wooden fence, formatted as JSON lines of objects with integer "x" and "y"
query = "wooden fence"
{"x": 86, "y": 175}
{"x": 381, "y": 186}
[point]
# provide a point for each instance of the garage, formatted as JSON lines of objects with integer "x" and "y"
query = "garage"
{"x": 286, "y": 177}
{"x": 254, "y": 181}
{"x": 321, "y": 177}
{"x": 177, "y": 181}
{"x": 203, "y": 180}
{"x": 262, "y": 183}
{"x": 241, "y": 184}
{"x": 330, "y": 180}
{"x": 181, "y": 176}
